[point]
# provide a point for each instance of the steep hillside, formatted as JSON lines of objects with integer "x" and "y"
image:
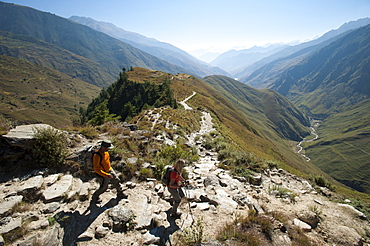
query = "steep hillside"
{"x": 264, "y": 72}
{"x": 266, "y": 108}
{"x": 48, "y": 55}
{"x": 162, "y": 50}
{"x": 334, "y": 77}
{"x": 333, "y": 83}
{"x": 110, "y": 53}
{"x": 31, "y": 93}
{"x": 343, "y": 147}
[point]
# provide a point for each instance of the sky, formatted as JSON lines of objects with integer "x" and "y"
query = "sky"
{"x": 214, "y": 25}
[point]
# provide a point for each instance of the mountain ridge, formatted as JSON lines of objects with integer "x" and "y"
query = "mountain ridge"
{"x": 152, "y": 46}
{"x": 109, "y": 52}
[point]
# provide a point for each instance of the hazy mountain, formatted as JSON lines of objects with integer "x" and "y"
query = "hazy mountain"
{"x": 152, "y": 46}
{"x": 233, "y": 60}
{"x": 334, "y": 77}
{"x": 294, "y": 54}
{"x": 111, "y": 54}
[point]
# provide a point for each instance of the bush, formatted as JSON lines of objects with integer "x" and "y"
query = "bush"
{"x": 193, "y": 235}
{"x": 49, "y": 149}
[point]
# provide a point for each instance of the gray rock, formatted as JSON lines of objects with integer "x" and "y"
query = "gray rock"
{"x": 203, "y": 206}
{"x": 23, "y": 136}
{"x": 2, "y": 242}
{"x": 101, "y": 231}
{"x": 310, "y": 218}
{"x": 51, "y": 179}
{"x": 211, "y": 180}
{"x": 304, "y": 226}
{"x": 150, "y": 239}
{"x": 52, "y": 208}
{"x": 53, "y": 236}
{"x": 120, "y": 216}
{"x": 6, "y": 206}
{"x": 258, "y": 208}
{"x": 33, "y": 183}
{"x": 84, "y": 191}
{"x": 58, "y": 190}
{"x": 12, "y": 225}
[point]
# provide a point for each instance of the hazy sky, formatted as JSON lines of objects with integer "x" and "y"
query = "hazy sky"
{"x": 216, "y": 24}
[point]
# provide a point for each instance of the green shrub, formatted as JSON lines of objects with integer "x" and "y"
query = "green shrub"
{"x": 173, "y": 153}
{"x": 145, "y": 173}
{"x": 89, "y": 132}
{"x": 321, "y": 181}
{"x": 49, "y": 149}
{"x": 193, "y": 235}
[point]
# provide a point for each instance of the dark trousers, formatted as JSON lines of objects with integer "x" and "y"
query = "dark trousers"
{"x": 177, "y": 195}
{"x": 104, "y": 182}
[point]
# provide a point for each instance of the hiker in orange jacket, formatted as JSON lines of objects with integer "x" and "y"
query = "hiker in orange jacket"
{"x": 105, "y": 173}
{"x": 174, "y": 186}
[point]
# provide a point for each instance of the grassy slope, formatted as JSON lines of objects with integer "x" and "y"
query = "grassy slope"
{"x": 234, "y": 124}
{"x": 343, "y": 149}
{"x": 31, "y": 93}
{"x": 47, "y": 55}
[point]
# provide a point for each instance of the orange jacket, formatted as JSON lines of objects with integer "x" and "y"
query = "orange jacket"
{"x": 102, "y": 167}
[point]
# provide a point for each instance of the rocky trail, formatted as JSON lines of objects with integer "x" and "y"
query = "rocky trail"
{"x": 58, "y": 210}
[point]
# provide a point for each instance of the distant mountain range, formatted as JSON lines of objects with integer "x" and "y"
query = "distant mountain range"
{"x": 242, "y": 63}
{"x": 162, "y": 50}
{"x": 105, "y": 51}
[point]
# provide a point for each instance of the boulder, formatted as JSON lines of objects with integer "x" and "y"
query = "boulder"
{"x": 310, "y": 218}
{"x": 23, "y": 136}
{"x": 302, "y": 225}
{"x": 7, "y": 205}
{"x": 211, "y": 180}
{"x": 120, "y": 216}
{"x": 58, "y": 190}
{"x": 12, "y": 225}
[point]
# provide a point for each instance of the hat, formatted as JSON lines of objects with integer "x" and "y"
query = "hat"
{"x": 107, "y": 144}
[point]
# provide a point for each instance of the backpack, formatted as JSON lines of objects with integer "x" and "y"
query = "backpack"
{"x": 166, "y": 175}
{"x": 88, "y": 154}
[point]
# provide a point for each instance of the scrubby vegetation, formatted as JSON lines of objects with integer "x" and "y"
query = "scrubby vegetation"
{"x": 125, "y": 99}
{"x": 49, "y": 149}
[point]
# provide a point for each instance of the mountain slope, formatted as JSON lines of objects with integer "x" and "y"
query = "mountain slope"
{"x": 257, "y": 74}
{"x": 110, "y": 53}
{"x": 343, "y": 148}
{"x": 32, "y": 94}
{"x": 263, "y": 107}
{"x": 233, "y": 60}
{"x": 45, "y": 54}
{"x": 334, "y": 77}
{"x": 154, "y": 47}
{"x": 258, "y": 130}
